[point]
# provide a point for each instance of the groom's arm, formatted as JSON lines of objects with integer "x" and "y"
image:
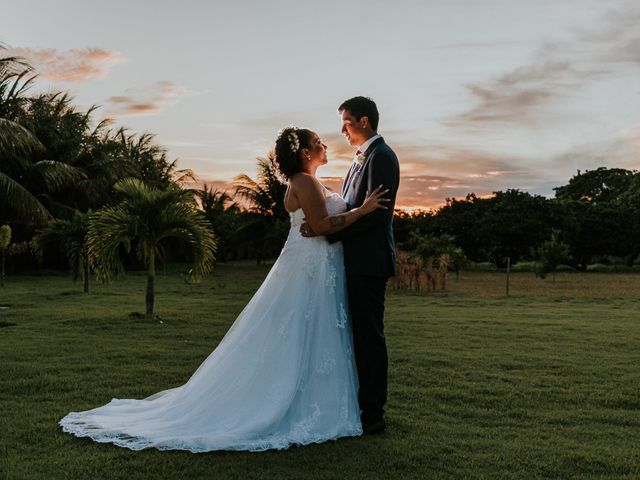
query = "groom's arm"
{"x": 383, "y": 172}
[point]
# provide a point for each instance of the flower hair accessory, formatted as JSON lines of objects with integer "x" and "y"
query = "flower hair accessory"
{"x": 292, "y": 137}
{"x": 294, "y": 142}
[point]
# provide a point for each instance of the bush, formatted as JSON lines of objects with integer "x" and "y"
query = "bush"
{"x": 565, "y": 268}
{"x": 481, "y": 267}
{"x": 525, "y": 267}
{"x": 600, "y": 267}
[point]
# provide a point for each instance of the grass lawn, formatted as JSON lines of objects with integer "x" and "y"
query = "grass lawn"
{"x": 544, "y": 384}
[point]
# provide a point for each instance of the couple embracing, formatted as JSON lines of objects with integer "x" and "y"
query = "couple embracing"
{"x": 306, "y": 360}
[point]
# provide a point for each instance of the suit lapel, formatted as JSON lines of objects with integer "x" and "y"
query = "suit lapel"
{"x": 347, "y": 180}
{"x": 370, "y": 148}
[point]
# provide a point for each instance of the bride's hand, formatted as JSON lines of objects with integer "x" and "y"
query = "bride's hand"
{"x": 375, "y": 200}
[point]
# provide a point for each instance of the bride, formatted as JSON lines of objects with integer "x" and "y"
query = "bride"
{"x": 284, "y": 374}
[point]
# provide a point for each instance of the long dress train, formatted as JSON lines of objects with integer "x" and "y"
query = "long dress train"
{"x": 284, "y": 373}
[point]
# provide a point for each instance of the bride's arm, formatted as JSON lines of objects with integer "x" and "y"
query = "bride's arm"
{"x": 312, "y": 200}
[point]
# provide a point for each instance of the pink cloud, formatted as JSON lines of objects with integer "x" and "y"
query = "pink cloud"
{"x": 76, "y": 65}
{"x": 145, "y": 101}
{"x": 432, "y": 173}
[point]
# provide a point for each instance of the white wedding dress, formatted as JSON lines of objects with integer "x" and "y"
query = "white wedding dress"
{"x": 284, "y": 374}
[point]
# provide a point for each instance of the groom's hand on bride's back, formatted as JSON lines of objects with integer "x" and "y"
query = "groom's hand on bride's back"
{"x": 307, "y": 231}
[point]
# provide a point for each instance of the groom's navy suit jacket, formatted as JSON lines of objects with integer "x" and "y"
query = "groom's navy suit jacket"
{"x": 369, "y": 248}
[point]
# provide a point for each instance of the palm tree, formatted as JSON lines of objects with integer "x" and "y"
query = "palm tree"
{"x": 149, "y": 160}
{"x": 14, "y": 138}
{"x": 223, "y": 214}
{"x": 28, "y": 174}
{"x": 267, "y": 225}
{"x": 266, "y": 194}
{"x": 147, "y": 216}
{"x": 72, "y": 237}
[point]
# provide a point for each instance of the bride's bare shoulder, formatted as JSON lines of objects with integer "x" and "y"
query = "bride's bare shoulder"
{"x": 302, "y": 177}
{"x": 303, "y": 181}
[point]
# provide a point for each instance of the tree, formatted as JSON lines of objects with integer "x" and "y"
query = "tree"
{"x": 266, "y": 194}
{"x": 149, "y": 160}
{"x": 32, "y": 179}
{"x": 599, "y": 185}
{"x": 71, "y": 235}
{"x": 406, "y": 224}
{"x": 508, "y": 224}
{"x": 5, "y": 240}
{"x": 466, "y": 221}
{"x": 223, "y": 215}
{"x": 15, "y": 140}
{"x": 598, "y": 228}
{"x": 267, "y": 222}
{"x": 551, "y": 254}
{"x": 458, "y": 260}
{"x": 144, "y": 218}
{"x": 516, "y": 221}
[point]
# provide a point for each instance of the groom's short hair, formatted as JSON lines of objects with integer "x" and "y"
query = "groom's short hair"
{"x": 362, "y": 107}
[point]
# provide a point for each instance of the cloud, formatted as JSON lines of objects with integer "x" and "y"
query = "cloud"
{"x": 431, "y": 173}
{"x": 526, "y": 94}
{"x": 622, "y": 151}
{"x": 465, "y": 45}
{"x": 145, "y": 101}
{"x": 427, "y": 191}
{"x": 76, "y": 65}
{"x": 519, "y": 96}
{"x": 220, "y": 185}
{"x": 338, "y": 147}
{"x": 632, "y": 136}
{"x": 618, "y": 38}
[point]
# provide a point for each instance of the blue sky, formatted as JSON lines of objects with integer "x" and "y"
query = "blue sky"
{"x": 475, "y": 96}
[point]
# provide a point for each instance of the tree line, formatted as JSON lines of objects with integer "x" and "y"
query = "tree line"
{"x": 596, "y": 215}
{"x": 92, "y": 198}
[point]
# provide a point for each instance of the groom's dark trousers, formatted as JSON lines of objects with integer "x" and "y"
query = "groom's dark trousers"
{"x": 369, "y": 260}
{"x": 366, "y": 303}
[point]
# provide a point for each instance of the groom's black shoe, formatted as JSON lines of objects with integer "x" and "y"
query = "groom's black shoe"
{"x": 373, "y": 428}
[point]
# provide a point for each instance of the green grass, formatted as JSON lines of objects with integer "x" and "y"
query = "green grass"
{"x": 544, "y": 384}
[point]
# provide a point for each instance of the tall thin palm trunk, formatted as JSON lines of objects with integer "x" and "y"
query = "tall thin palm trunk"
{"x": 87, "y": 271}
{"x": 151, "y": 275}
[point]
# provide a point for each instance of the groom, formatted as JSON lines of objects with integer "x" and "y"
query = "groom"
{"x": 369, "y": 253}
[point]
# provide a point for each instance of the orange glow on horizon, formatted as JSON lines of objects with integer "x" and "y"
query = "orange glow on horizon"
{"x": 407, "y": 201}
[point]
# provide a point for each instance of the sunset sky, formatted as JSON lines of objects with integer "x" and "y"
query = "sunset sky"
{"x": 474, "y": 96}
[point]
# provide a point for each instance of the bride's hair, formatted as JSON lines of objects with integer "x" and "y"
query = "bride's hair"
{"x": 289, "y": 142}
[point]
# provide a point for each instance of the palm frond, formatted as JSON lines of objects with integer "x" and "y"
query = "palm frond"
{"x": 109, "y": 230}
{"x": 57, "y": 175}
{"x": 70, "y": 235}
{"x": 22, "y": 202}
{"x": 15, "y": 138}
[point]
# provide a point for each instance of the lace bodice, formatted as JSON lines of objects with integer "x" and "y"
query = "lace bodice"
{"x": 335, "y": 205}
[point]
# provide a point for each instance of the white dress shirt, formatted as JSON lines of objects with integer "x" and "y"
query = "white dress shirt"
{"x": 365, "y": 145}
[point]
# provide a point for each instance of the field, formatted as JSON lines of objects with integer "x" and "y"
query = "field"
{"x": 544, "y": 384}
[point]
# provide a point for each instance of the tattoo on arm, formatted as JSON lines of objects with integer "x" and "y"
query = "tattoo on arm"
{"x": 337, "y": 221}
